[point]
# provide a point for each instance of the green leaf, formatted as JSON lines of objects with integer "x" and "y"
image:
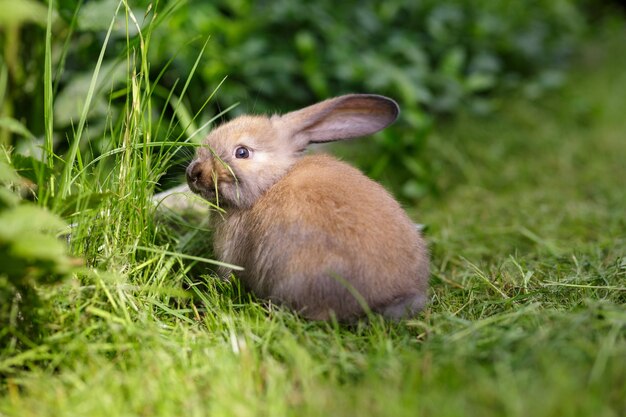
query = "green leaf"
{"x": 38, "y": 247}
{"x": 25, "y": 219}
{"x": 82, "y": 202}
{"x": 16, "y": 13}
{"x": 7, "y": 174}
{"x": 28, "y": 167}
{"x": 8, "y": 198}
{"x": 453, "y": 62}
{"x": 69, "y": 103}
{"x": 15, "y": 126}
{"x": 477, "y": 82}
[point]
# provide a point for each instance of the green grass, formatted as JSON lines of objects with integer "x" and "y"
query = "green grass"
{"x": 528, "y": 239}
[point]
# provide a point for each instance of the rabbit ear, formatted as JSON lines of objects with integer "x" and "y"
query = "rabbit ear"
{"x": 343, "y": 117}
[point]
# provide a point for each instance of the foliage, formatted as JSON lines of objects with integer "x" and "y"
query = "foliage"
{"x": 434, "y": 57}
{"x": 285, "y": 53}
{"x": 30, "y": 256}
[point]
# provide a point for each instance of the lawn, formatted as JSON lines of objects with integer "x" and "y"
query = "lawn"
{"x": 528, "y": 242}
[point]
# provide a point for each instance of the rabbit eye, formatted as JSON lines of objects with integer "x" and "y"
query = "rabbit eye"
{"x": 242, "y": 152}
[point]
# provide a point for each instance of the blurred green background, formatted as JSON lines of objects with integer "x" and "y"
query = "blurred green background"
{"x": 434, "y": 57}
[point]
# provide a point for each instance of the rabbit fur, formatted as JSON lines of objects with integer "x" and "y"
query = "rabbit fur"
{"x": 312, "y": 232}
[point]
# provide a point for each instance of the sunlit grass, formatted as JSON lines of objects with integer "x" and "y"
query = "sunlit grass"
{"x": 528, "y": 287}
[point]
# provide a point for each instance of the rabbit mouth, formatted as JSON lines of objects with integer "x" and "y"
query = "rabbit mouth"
{"x": 221, "y": 188}
{"x": 208, "y": 193}
{"x": 212, "y": 193}
{"x": 195, "y": 186}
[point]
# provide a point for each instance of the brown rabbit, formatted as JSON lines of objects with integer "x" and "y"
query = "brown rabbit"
{"x": 312, "y": 232}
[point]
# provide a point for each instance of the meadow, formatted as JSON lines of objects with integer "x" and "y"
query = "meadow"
{"x": 527, "y": 233}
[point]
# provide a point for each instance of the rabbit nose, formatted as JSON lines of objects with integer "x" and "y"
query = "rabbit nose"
{"x": 194, "y": 172}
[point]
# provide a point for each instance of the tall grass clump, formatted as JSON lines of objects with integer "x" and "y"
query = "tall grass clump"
{"x": 101, "y": 183}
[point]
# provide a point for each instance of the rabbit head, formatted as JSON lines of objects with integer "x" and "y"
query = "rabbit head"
{"x": 241, "y": 159}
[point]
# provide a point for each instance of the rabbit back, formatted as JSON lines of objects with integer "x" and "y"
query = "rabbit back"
{"x": 324, "y": 240}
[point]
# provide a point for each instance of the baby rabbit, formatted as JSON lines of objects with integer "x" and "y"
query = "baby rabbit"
{"x": 311, "y": 232}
